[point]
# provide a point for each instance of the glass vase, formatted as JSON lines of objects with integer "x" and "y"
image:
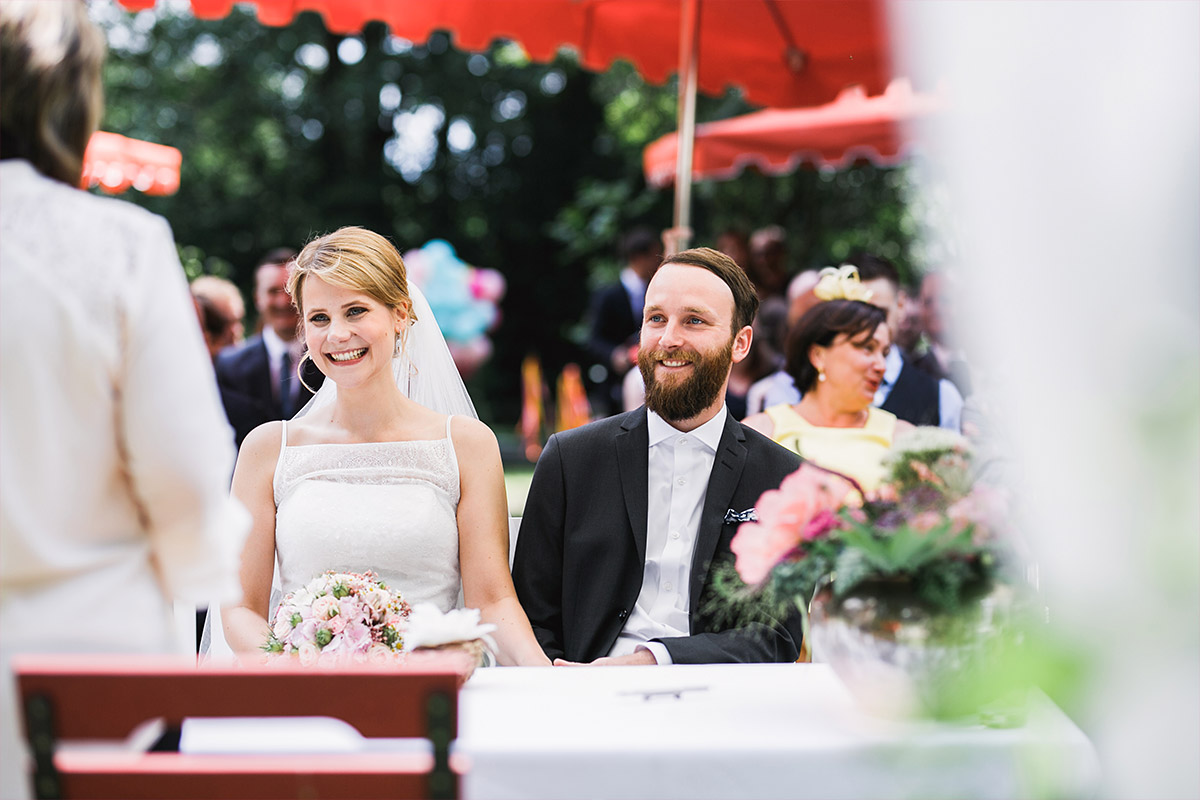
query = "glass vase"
{"x": 901, "y": 657}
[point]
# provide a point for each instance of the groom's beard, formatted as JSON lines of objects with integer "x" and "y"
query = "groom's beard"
{"x": 675, "y": 399}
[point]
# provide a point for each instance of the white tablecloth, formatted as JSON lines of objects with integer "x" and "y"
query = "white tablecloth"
{"x": 742, "y": 731}
{"x": 706, "y": 732}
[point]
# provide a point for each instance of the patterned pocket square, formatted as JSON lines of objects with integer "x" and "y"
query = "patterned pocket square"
{"x": 749, "y": 515}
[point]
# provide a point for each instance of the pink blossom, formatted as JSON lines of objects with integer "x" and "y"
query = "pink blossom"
{"x": 309, "y": 653}
{"x": 801, "y": 509}
{"x": 357, "y": 636}
{"x": 926, "y": 521}
{"x": 338, "y": 623}
{"x": 985, "y": 507}
{"x": 758, "y": 548}
{"x": 325, "y": 606}
{"x": 283, "y": 626}
{"x": 820, "y": 525}
{"x": 305, "y": 632}
{"x": 379, "y": 653}
{"x": 926, "y": 474}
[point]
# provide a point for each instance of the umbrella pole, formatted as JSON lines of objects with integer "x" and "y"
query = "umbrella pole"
{"x": 680, "y": 235}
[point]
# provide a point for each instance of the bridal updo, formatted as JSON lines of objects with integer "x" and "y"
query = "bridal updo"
{"x": 353, "y": 258}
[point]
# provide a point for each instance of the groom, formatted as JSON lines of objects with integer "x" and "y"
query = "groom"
{"x": 626, "y": 517}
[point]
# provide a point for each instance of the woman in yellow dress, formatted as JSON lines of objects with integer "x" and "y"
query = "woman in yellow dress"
{"x": 835, "y": 355}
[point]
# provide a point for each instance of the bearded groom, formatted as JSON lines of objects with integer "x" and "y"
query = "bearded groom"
{"x": 627, "y": 517}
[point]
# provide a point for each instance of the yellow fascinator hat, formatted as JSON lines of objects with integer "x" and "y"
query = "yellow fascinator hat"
{"x": 841, "y": 283}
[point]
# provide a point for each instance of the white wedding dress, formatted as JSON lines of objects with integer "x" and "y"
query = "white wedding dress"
{"x": 388, "y": 507}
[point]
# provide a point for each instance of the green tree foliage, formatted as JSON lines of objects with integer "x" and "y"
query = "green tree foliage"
{"x": 532, "y": 169}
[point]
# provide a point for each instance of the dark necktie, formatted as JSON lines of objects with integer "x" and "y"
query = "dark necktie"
{"x": 285, "y": 385}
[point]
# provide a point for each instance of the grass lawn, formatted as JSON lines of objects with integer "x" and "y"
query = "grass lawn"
{"x": 516, "y": 483}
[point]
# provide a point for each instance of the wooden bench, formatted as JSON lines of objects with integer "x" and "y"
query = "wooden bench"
{"x": 103, "y": 697}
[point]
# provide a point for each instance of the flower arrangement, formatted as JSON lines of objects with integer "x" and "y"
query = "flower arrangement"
{"x": 340, "y": 616}
{"x": 929, "y": 522}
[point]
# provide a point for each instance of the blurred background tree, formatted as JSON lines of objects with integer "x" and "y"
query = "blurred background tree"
{"x": 530, "y": 169}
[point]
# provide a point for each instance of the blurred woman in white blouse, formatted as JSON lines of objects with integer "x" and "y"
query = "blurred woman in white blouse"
{"x": 115, "y": 457}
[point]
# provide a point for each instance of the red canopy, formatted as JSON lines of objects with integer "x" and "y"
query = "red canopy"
{"x": 776, "y": 141}
{"x": 115, "y": 163}
{"x": 780, "y": 52}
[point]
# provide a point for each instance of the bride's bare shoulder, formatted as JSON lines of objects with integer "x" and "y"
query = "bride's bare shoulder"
{"x": 260, "y": 449}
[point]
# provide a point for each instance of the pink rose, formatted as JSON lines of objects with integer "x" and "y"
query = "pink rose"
{"x": 758, "y": 548}
{"x": 309, "y": 653}
{"x": 283, "y": 626}
{"x": 379, "y": 653}
{"x": 325, "y": 606}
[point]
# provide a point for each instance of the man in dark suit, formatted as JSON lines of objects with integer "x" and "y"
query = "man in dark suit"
{"x": 906, "y": 391}
{"x": 627, "y": 518}
{"x": 616, "y": 312}
{"x": 258, "y": 380}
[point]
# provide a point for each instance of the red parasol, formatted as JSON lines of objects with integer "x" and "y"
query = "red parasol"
{"x": 777, "y": 141}
{"x": 115, "y": 163}
{"x": 780, "y": 52}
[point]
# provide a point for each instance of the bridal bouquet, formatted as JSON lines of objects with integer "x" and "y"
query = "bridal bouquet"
{"x": 340, "y": 615}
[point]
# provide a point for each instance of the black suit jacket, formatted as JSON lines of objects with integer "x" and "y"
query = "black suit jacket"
{"x": 915, "y": 396}
{"x": 244, "y": 377}
{"x": 613, "y": 323}
{"x": 581, "y": 549}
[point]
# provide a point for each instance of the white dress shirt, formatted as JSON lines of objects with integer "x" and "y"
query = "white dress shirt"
{"x": 276, "y": 347}
{"x": 679, "y": 467}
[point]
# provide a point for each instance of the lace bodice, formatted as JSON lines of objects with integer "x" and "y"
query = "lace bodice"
{"x": 389, "y": 507}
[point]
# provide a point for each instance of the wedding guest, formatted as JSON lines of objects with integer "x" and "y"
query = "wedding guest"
{"x": 115, "y": 459}
{"x": 616, "y": 312}
{"x": 778, "y": 387}
{"x": 906, "y": 391}
{"x": 837, "y": 356}
{"x": 734, "y": 243}
{"x": 260, "y": 380}
{"x": 768, "y": 261}
{"x": 628, "y": 519}
{"x": 224, "y": 312}
{"x": 389, "y": 469}
{"x": 942, "y": 358}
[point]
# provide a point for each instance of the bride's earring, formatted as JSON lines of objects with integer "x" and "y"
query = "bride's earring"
{"x": 398, "y": 350}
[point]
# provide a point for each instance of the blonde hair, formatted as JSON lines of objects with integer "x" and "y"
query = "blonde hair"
{"x": 220, "y": 290}
{"x": 353, "y": 258}
{"x": 51, "y": 103}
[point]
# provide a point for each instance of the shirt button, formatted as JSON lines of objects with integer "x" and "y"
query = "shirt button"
{"x": 668, "y": 586}
{"x": 682, "y": 481}
{"x": 682, "y": 440}
{"x": 674, "y": 534}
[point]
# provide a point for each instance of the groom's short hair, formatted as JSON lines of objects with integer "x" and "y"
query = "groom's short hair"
{"x": 745, "y": 297}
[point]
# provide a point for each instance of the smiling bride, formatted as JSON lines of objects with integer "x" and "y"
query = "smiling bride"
{"x": 387, "y": 469}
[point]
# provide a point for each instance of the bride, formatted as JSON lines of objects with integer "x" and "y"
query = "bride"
{"x": 387, "y": 468}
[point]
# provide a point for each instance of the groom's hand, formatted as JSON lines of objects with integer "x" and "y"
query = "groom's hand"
{"x": 638, "y": 658}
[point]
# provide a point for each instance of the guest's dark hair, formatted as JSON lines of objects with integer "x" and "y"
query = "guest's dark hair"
{"x": 50, "y": 60}
{"x": 640, "y": 241}
{"x": 745, "y": 298}
{"x": 872, "y": 267}
{"x": 276, "y": 256}
{"x": 820, "y": 325}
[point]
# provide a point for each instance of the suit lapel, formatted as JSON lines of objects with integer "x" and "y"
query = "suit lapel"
{"x": 726, "y": 473}
{"x": 633, "y": 445}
